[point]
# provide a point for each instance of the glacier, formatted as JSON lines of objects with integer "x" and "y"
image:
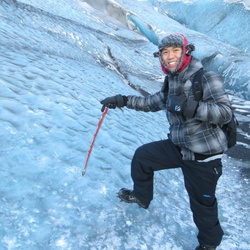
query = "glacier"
{"x": 59, "y": 59}
{"x": 228, "y": 20}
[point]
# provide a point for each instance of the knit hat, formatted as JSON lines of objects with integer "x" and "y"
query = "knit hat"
{"x": 176, "y": 40}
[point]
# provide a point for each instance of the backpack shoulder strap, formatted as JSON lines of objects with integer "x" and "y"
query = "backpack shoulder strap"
{"x": 197, "y": 85}
{"x": 165, "y": 86}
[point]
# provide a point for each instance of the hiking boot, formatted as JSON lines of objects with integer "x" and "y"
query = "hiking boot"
{"x": 205, "y": 247}
{"x": 127, "y": 196}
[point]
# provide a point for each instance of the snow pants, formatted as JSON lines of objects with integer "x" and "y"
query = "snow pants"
{"x": 200, "y": 180}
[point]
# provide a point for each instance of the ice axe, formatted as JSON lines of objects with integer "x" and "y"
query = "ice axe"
{"x": 93, "y": 141}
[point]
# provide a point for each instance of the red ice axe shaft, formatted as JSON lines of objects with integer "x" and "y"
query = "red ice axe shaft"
{"x": 93, "y": 141}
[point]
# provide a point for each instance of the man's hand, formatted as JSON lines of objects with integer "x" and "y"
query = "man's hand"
{"x": 114, "y": 101}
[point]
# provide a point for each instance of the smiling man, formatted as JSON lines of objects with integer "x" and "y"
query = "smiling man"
{"x": 171, "y": 57}
{"x": 195, "y": 141}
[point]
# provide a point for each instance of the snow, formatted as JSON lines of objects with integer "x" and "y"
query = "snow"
{"x": 58, "y": 61}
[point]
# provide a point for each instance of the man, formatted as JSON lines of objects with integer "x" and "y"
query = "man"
{"x": 195, "y": 142}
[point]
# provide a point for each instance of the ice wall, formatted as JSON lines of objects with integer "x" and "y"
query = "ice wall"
{"x": 226, "y": 21}
{"x": 126, "y": 17}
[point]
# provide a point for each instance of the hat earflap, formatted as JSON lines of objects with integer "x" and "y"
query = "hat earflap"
{"x": 190, "y": 48}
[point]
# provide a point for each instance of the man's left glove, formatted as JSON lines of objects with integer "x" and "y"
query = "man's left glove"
{"x": 182, "y": 105}
{"x": 114, "y": 101}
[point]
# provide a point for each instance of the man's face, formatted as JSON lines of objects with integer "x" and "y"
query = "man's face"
{"x": 171, "y": 57}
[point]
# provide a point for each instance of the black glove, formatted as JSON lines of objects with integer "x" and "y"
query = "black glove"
{"x": 114, "y": 101}
{"x": 181, "y": 105}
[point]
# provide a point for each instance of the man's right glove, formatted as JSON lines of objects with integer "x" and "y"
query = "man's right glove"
{"x": 114, "y": 101}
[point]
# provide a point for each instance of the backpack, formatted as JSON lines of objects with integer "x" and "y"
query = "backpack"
{"x": 230, "y": 129}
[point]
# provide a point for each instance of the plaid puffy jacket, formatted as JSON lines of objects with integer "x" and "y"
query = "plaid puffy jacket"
{"x": 201, "y": 134}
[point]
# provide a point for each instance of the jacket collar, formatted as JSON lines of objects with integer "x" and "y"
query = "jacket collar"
{"x": 193, "y": 67}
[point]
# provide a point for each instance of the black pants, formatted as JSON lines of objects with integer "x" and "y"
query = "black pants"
{"x": 200, "y": 181}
